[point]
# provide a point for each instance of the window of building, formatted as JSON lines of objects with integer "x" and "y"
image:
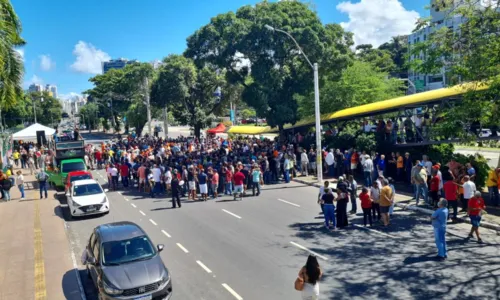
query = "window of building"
{"x": 436, "y": 78}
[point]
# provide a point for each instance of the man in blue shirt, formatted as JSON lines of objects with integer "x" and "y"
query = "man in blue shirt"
{"x": 202, "y": 181}
{"x": 439, "y": 218}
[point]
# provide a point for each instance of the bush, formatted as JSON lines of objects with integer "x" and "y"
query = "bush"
{"x": 479, "y": 163}
{"x": 365, "y": 142}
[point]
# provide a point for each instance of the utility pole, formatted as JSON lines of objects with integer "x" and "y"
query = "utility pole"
{"x": 165, "y": 120}
{"x": 148, "y": 106}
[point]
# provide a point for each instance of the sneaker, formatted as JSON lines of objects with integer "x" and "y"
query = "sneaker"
{"x": 479, "y": 241}
{"x": 23, "y": 198}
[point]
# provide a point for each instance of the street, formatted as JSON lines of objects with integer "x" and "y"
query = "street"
{"x": 253, "y": 249}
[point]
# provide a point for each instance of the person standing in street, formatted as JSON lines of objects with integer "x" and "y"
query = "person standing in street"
{"x": 434, "y": 188}
{"x": 239, "y": 180}
{"x": 385, "y": 201}
{"x": 20, "y": 183}
{"x": 342, "y": 200}
{"x": 257, "y": 179}
{"x": 322, "y": 191}
{"x": 156, "y": 188}
{"x": 304, "y": 163}
{"x": 469, "y": 188}
{"x": 353, "y": 185}
{"x": 308, "y": 278}
{"x": 113, "y": 171}
{"x": 42, "y": 178}
{"x": 6, "y": 185}
{"x": 492, "y": 184}
{"x": 215, "y": 182}
{"x": 450, "y": 194}
{"x": 366, "y": 205}
{"x": 202, "y": 182}
{"x": 328, "y": 207}
{"x": 375, "y": 197}
{"x": 176, "y": 190}
{"x": 475, "y": 208}
{"x": 421, "y": 182}
{"x": 368, "y": 170}
{"x": 439, "y": 218}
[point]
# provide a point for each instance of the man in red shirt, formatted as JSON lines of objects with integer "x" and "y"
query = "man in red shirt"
{"x": 450, "y": 194}
{"x": 98, "y": 159}
{"x": 475, "y": 208}
{"x": 229, "y": 181}
{"x": 434, "y": 188}
{"x": 239, "y": 179}
{"x": 366, "y": 205}
{"x": 124, "y": 173}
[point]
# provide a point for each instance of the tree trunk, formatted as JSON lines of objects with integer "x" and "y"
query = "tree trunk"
{"x": 197, "y": 130}
{"x": 165, "y": 121}
{"x": 282, "y": 136}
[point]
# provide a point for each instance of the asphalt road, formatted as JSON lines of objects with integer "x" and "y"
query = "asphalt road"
{"x": 253, "y": 249}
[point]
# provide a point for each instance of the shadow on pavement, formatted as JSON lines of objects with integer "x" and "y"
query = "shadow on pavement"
{"x": 70, "y": 286}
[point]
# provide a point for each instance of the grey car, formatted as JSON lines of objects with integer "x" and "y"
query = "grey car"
{"x": 123, "y": 264}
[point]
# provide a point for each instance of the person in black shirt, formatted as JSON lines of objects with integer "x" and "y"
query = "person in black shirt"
{"x": 342, "y": 201}
{"x": 328, "y": 208}
{"x": 176, "y": 190}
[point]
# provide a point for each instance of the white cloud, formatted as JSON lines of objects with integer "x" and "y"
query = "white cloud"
{"x": 88, "y": 58}
{"x": 20, "y": 52}
{"x": 376, "y": 21}
{"x": 46, "y": 63}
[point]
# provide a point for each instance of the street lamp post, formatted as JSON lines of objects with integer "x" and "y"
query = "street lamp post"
{"x": 319, "y": 156}
{"x": 34, "y": 107}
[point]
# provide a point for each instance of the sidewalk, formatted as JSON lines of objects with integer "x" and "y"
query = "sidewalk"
{"x": 403, "y": 200}
{"x": 35, "y": 259}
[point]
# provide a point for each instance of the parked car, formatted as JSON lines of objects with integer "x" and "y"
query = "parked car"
{"x": 74, "y": 176}
{"x": 86, "y": 197}
{"x": 123, "y": 263}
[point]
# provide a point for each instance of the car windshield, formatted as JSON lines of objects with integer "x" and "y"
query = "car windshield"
{"x": 79, "y": 177}
{"x": 73, "y": 166}
{"x": 125, "y": 251}
{"x": 87, "y": 189}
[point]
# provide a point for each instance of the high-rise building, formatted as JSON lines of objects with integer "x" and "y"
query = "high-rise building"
{"x": 116, "y": 64}
{"x": 35, "y": 87}
{"x": 52, "y": 89}
{"x": 440, "y": 17}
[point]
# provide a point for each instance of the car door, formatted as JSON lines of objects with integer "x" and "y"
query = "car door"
{"x": 94, "y": 252}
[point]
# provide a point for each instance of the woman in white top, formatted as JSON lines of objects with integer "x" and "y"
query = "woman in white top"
{"x": 20, "y": 183}
{"x": 310, "y": 274}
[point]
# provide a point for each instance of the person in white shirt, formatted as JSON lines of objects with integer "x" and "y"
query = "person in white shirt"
{"x": 168, "y": 178}
{"x": 156, "y": 172}
{"x": 113, "y": 171}
{"x": 469, "y": 190}
{"x": 20, "y": 183}
{"x": 330, "y": 160}
{"x": 304, "y": 162}
{"x": 427, "y": 164}
{"x": 367, "y": 170}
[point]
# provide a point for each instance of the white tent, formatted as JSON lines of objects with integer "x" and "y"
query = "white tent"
{"x": 29, "y": 133}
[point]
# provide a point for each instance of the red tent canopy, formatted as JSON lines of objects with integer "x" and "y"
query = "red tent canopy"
{"x": 218, "y": 129}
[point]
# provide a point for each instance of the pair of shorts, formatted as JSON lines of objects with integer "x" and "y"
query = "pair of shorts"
{"x": 475, "y": 220}
{"x": 203, "y": 188}
{"x": 192, "y": 185}
{"x": 142, "y": 180}
{"x": 238, "y": 188}
{"x": 384, "y": 209}
{"x": 215, "y": 186}
{"x": 354, "y": 166}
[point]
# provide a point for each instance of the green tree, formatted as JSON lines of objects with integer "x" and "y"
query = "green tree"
{"x": 48, "y": 109}
{"x": 189, "y": 91}
{"x": 470, "y": 53}
{"x": 381, "y": 60}
{"x": 359, "y": 84}
{"x": 17, "y": 114}
{"x": 398, "y": 48}
{"x": 90, "y": 114}
{"x": 240, "y": 44}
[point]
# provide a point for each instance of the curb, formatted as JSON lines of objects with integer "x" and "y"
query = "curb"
{"x": 414, "y": 208}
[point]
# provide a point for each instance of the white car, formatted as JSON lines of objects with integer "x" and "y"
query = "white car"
{"x": 86, "y": 197}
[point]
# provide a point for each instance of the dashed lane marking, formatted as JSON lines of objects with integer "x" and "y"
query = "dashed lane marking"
{"x": 203, "y": 266}
{"x": 234, "y": 215}
{"x": 230, "y": 290}
{"x": 166, "y": 233}
{"x": 284, "y": 201}
{"x": 153, "y": 222}
{"x": 182, "y": 248}
{"x": 308, "y": 250}
{"x": 142, "y": 213}
{"x": 133, "y": 205}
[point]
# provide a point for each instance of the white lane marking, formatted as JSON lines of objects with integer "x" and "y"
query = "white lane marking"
{"x": 142, "y": 213}
{"x": 234, "y": 215}
{"x": 373, "y": 230}
{"x": 153, "y": 222}
{"x": 182, "y": 248}
{"x": 133, "y": 205}
{"x": 120, "y": 193}
{"x": 284, "y": 201}
{"x": 310, "y": 251}
{"x": 230, "y": 290}
{"x": 126, "y": 199}
{"x": 166, "y": 233}
{"x": 203, "y": 266}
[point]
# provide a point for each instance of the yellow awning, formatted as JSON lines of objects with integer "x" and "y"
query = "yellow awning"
{"x": 251, "y": 130}
{"x": 391, "y": 104}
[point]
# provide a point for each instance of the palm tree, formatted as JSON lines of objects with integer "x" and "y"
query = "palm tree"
{"x": 11, "y": 64}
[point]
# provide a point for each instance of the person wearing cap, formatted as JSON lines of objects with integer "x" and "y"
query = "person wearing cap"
{"x": 421, "y": 182}
{"x": 176, "y": 188}
{"x": 475, "y": 209}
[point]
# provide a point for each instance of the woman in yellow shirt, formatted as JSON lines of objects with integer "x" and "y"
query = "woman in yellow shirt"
{"x": 16, "y": 155}
{"x": 492, "y": 184}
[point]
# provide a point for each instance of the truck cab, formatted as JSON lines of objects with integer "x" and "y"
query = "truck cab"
{"x": 68, "y": 156}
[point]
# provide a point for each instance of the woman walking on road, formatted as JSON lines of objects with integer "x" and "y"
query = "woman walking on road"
{"x": 475, "y": 208}
{"x": 439, "y": 218}
{"x": 308, "y": 279}
{"x": 20, "y": 183}
{"x": 328, "y": 208}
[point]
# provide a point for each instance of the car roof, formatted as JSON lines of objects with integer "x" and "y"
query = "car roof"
{"x": 85, "y": 182}
{"x": 119, "y": 231}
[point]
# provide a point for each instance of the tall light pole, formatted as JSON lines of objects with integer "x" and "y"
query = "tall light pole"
{"x": 319, "y": 156}
{"x": 34, "y": 107}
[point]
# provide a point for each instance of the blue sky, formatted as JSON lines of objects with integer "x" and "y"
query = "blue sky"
{"x": 66, "y": 40}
